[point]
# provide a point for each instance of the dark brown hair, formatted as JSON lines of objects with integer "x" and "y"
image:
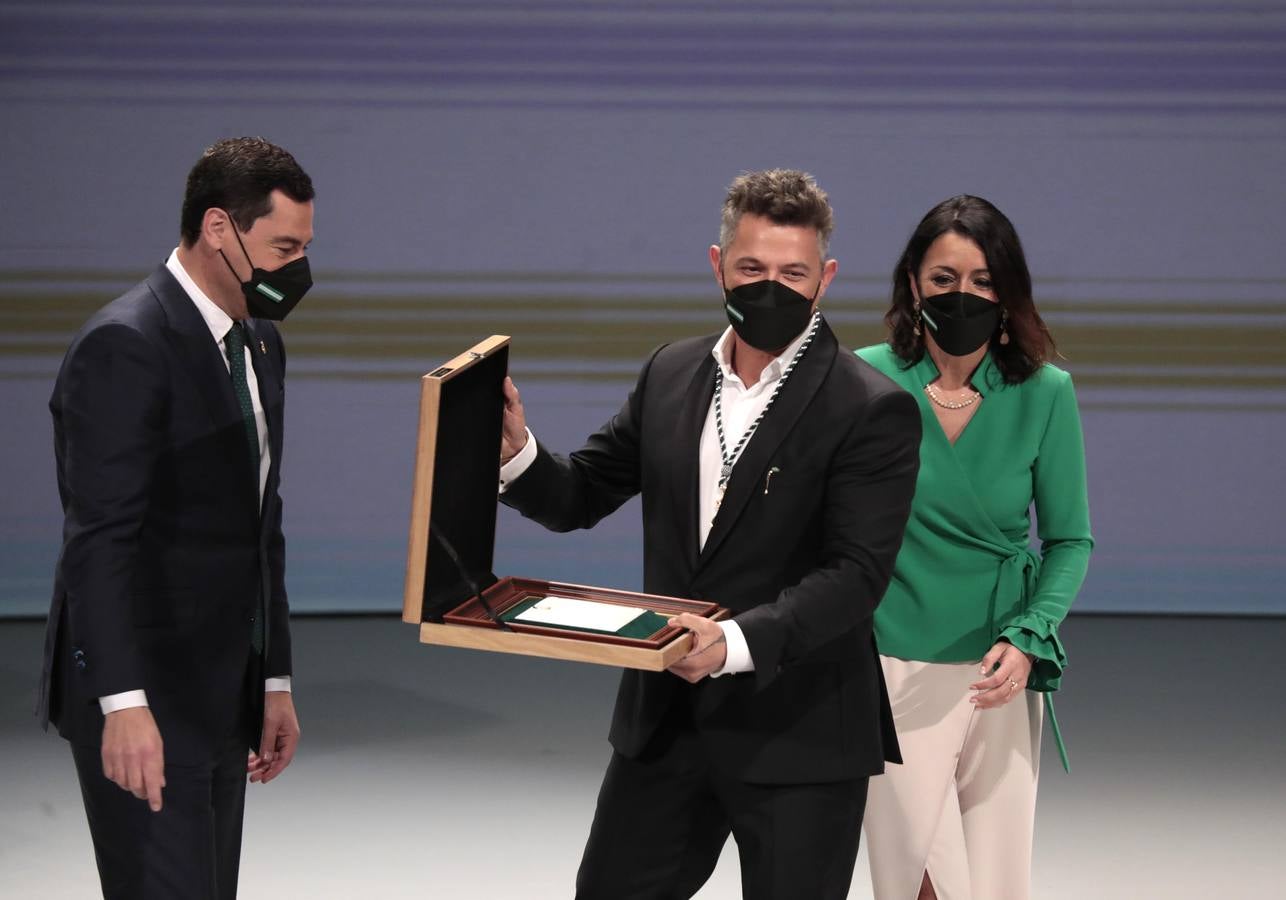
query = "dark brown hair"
{"x": 1030, "y": 342}
{"x": 238, "y": 175}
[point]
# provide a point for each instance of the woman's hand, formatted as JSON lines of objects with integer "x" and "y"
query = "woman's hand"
{"x": 1008, "y": 680}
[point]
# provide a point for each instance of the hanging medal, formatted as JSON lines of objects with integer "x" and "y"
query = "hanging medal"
{"x": 730, "y": 459}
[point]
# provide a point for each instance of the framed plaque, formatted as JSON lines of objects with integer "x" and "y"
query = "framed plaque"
{"x": 451, "y": 591}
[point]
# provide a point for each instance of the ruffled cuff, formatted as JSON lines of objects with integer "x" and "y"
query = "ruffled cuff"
{"x": 1038, "y": 636}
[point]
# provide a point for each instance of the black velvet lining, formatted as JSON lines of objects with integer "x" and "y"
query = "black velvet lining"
{"x": 466, "y": 469}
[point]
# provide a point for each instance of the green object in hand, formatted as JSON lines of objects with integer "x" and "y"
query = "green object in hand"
{"x": 640, "y": 627}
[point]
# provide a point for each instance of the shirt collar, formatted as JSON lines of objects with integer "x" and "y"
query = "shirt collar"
{"x": 218, "y": 321}
{"x": 722, "y": 353}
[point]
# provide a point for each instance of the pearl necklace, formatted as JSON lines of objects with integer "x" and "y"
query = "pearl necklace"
{"x": 950, "y": 404}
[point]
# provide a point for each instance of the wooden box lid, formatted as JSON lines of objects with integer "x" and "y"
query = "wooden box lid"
{"x": 457, "y": 465}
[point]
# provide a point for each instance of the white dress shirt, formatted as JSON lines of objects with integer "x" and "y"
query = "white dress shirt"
{"x": 219, "y": 323}
{"x": 741, "y": 406}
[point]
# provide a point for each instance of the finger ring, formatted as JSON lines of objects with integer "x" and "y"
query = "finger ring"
{"x": 1012, "y": 684}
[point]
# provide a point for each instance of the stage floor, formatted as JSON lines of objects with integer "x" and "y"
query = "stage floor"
{"x": 429, "y": 772}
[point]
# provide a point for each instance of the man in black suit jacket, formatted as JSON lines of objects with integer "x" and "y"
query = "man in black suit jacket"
{"x": 167, "y": 653}
{"x": 776, "y": 471}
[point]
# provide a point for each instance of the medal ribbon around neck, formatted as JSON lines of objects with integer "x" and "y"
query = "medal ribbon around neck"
{"x": 730, "y": 459}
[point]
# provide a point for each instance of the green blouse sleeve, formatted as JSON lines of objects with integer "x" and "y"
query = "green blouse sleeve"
{"x": 1063, "y": 525}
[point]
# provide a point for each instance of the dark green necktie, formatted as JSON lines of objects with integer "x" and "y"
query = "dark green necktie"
{"x": 235, "y": 341}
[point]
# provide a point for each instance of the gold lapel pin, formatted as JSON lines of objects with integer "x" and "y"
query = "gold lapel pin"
{"x": 263, "y": 349}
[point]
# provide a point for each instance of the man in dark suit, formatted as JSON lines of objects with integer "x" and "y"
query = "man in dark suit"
{"x": 776, "y": 471}
{"x": 167, "y": 654}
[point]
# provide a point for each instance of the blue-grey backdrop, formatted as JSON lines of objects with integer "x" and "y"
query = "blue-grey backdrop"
{"x": 553, "y": 169}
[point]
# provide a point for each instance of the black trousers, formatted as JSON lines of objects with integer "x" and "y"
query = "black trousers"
{"x": 190, "y": 850}
{"x": 662, "y": 820}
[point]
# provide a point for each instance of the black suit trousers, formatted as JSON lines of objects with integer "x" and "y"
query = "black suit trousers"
{"x": 663, "y": 817}
{"x": 191, "y": 849}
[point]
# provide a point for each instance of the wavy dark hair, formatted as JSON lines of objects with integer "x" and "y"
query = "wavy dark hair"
{"x": 1030, "y": 342}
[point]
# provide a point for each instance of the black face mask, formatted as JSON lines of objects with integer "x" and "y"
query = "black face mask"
{"x": 960, "y": 322}
{"x": 767, "y": 314}
{"x": 272, "y": 295}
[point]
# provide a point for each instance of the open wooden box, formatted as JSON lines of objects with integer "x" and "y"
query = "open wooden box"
{"x": 451, "y": 591}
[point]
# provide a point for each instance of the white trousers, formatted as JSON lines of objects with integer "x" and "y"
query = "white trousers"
{"x": 962, "y": 806}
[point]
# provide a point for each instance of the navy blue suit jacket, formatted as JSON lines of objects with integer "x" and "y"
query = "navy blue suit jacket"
{"x": 166, "y": 547}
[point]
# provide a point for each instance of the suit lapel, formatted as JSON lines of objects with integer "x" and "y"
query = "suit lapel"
{"x": 191, "y": 337}
{"x": 750, "y": 470}
{"x": 269, "y": 389}
{"x": 686, "y": 483}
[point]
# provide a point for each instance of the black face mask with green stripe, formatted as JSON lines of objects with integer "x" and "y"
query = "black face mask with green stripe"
{"x": 272, "y": 295}
{"x": 960, "y": 322}
{"x": 767, "y": 314}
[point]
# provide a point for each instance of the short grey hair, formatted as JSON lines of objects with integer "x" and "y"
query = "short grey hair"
{"x": 783, "y": 196}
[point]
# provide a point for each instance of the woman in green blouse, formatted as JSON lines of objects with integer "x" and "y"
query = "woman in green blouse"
{"x": 968, "y": 631}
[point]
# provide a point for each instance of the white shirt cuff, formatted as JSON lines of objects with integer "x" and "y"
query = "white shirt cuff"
{"x": 124, "y": 700}
{"x": 738, "y": 658}
{"x": 520, "y": 463}
{"x": 131, "y": 699}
